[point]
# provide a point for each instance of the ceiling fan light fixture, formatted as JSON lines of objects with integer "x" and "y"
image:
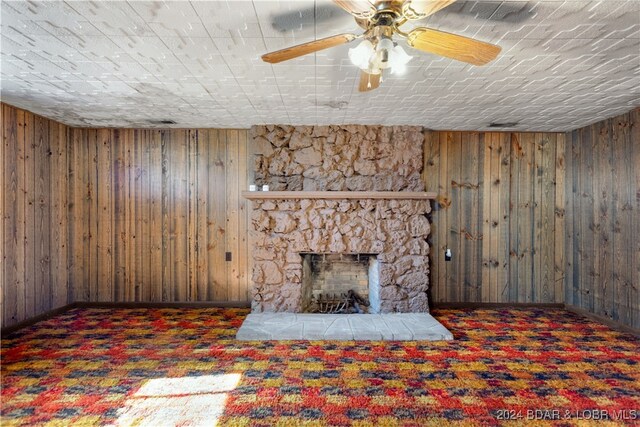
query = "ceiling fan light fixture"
{"x": 400, "y": 56}
{"x": 360, "y": 55}
{"x": 384, "y": 49}
{"x": 385, "y": 43}
{"x": 398, "y": 60}
{"x": 399, "y": 69}
{"x": 377, "y": 52}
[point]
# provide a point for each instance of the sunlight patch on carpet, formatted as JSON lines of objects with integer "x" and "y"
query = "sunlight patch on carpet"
{"x": 192, "y": 401}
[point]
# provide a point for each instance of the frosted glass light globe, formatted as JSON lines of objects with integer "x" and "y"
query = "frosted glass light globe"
{"x": 360, "y": 56}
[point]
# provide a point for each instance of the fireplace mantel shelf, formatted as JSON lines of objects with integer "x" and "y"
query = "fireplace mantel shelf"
{"x": 384, "y": 195}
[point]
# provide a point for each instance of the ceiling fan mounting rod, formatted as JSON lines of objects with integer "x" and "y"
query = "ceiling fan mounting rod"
{"x": 381, "y": 31}
{"x": 393, "y": 6}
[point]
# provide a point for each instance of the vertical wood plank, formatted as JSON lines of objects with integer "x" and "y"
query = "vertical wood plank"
{"x": 13, "y": 201}
{"x": 27, "y": 297}
{"x": 104, "y": 223}
{"x": 202, "y": 241}
{"x": 42, "y": 205}
{"x": 570, "y": 190}
{"x": 58, "y": 219}
{"x": 3, "y": 218}
{"x": 192, "y": 245}
{"x": 559, "y": 220}
{"x": 180, "y": 209}
{"x": 145, "y": 206}
{"x": 174, "y": 230}
{"x": 465, "y": 185}
{"x": 587, "y": 225}
{"x": 167, "y": 265}
{"x": 495, "y": 220}
{"x": 92, "y": 214}
{"x": 526, "y": 292}
{"x": 217, "y": 214}
{"x": 579, "y": 217}
{"x": 514, "y": 216}
{"x": 634, "y": 290}
{"x": 183, "y": 279}
{"x": 131, "y": 218}
{"x": 155, "y": 216}
{"x": 537, "y": 239}
{"x": 443, "y": 216}
{"x": 454, "y": 233}
{"x": 76, "y": 198}
{"x": 547, "y": 217}
{"x": 244, "y": 219}
{"x": 502, "y": 255}
{"x": 120, "y": 195}
{"x": 602, "y": 199}
{"x": 486, "y": 219}
{"x": 479, "y": 222}
{"x": 233, "y": 202}
{"x": 134, "y": 257}
{"x": 471, "y": 219}
{"x": 251, "y": 154}
{"x": 86, "y": 165}
{"x": 131, "y": 215}
{"x": 141, "y": 290}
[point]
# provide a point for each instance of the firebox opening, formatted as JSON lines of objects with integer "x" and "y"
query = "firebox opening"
{"x": 340, "y": 283}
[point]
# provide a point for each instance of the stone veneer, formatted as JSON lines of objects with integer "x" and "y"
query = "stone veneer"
{"x": 396, "y": 230}
{"x": 338, "y": 158}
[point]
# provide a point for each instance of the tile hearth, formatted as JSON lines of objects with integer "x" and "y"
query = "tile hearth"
{"x": 342, "y": 327}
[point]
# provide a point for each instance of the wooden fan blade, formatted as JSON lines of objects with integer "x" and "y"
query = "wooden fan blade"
{"x": 453, "y": 46}
{"x": 368, "y": 81}
{"x": 306, "y": 48}
{"x": 420, "y": 9}
{"x": 358, "y": 8}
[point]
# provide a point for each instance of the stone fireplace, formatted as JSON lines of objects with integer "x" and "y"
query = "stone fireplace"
{"x": 395, "y": 230}
{"x": 382, "y": 216}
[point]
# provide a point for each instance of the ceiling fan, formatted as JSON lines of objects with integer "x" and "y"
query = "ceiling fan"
{"x": 381, "y": 21}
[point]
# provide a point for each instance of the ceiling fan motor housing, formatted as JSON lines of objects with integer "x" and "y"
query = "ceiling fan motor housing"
{"x": 385, "y": 19}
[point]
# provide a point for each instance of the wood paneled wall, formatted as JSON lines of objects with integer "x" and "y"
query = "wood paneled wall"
{"x": 154, "y": 213}
{"x": 603, "y": 218}
{"x": 120, "y": 215}
{"x": 33, "y": 200}
{"x": 129, "y": 215}
{"x": 501, "y": 212}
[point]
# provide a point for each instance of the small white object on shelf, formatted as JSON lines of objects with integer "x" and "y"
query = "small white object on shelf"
{"x": 252, "y": 187}
{"x": 265, "y": 187}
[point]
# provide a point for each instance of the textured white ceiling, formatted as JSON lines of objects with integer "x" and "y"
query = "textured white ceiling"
{"x": 564, "y": 64}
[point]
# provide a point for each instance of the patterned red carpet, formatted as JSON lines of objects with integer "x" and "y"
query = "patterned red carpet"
{"x": 155, "y": 367}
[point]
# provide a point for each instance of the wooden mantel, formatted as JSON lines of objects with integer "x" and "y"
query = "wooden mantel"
{"x": 385, "y": 195}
